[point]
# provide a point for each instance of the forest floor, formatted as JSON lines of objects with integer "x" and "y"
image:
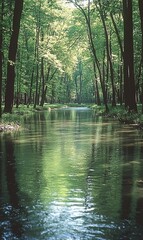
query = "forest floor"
{"x": 14, "y": 121}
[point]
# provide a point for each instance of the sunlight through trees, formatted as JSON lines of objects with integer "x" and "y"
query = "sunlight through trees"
{"x": 70, "y": 51}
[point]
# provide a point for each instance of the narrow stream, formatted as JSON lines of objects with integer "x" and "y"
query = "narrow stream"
{"x": 71, "y": 175}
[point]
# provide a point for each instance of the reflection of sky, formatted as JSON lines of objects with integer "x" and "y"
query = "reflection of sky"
{"x": 71, "y": 220}
{"x": 69, "y": 3}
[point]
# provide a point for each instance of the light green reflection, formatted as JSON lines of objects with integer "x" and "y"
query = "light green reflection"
{"x": 77, "y": 171}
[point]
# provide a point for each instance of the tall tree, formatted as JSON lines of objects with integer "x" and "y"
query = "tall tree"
{"x": 1, "y": 51}
{"x": 87, "y": 16}
{"x": 141, "y": 62}
{"x": 9, "y": 93}
{"x": 109, "y": 58}
{"x": 129, "y": 81}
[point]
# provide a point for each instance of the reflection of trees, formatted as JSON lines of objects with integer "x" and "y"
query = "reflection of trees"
{"x": 139, "y": 211}
{"x": 0, "y": 166}
{"x": 12, "y": 188}
{"x": 102, "y": 177}
{"x": 127, "y": 180}
{"x": 29, "y": 150}
{"x": 111, "y": 177}
{"x": 139, "y": 206}
{"x": 1, "y": 169}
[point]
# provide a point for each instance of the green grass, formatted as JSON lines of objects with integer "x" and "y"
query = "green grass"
{"x": 17, "y": 115}
{"x": 120, "y": 113}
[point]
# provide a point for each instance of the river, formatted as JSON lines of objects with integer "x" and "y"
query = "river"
{"x": 71, "y": 175}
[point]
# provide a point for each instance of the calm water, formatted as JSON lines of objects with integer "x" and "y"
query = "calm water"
{"x": 71, "y": 175}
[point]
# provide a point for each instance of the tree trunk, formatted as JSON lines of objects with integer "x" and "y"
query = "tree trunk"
{"x": 53, "y": 93}
{"x": 76, "y": 89}
{"x": 9, "y": 93}
{"x": 30, "y": 91}
{"x": 118, "y": 35}
{"x": 141, "y": 62}
{"x": 37, "y": 64}
{"x": 97, "y": 96}
{"x": 43, "y": 97}
{"x": 42, "y": 82}
{"x": 129, "y": 81}
{"x": 121, "y": 84}
{"x": 93, "y": 51}
{"x": 36, "y": 93}
{"x": 108, "y": 53}
{"x": 1, "y": 52}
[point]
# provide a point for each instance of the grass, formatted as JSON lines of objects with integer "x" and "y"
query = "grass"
{"x": 120, "y": 113}
{"x": 16, "y": 118}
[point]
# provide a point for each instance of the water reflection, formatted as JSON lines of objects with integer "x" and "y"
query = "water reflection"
{"x": 11, "y": 208}
{"x": 139, "y": 190}
{"x": 71, "y": 175}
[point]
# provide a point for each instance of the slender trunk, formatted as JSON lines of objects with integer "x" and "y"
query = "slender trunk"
{"x": 76, "y": 88}
{"x": 80, "y": 82}
{"x": 109, "y": 59}
{"x": 118, "y": 35}
{"x": 37, "y": 83}
{"x": 120, "y": 75}
{"x": 97, "y": 96}
{"x": 42, "y": 76}
{"x": 53, "y": 93}
{"x": 42, "y": 82}
{"x": 121, "y": 83}
{"x": 37, "y": 64}
{"x": 93, "y": 51}
{"x": 96, "y": 62}
{"x": 43, "y": 97}
{"x": 31, "y": 85}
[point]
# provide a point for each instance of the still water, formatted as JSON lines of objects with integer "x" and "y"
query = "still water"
{"x": 71, "y": 175}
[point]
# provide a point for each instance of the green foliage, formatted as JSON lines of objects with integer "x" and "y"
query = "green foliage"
{"x": 56, "y": 34}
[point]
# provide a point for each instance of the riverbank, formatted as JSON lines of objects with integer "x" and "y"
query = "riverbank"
{"x": 122, "y": 115}
{"x": 14, "y": 121}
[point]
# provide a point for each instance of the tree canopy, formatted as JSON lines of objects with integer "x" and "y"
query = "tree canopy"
{"x": 71, "y": 51}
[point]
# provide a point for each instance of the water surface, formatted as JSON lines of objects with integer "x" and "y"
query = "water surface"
{"x": 71, "y": 175}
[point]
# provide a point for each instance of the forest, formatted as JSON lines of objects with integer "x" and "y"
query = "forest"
{"x": 74, "y": 51}
{"x": 71, "y": 77}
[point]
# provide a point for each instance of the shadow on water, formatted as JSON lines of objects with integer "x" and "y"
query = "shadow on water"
{"x": 11, "y": 211}
{"x": 139, "y": 206}
{"x": 116, "y": 192}
{"x": 127, "y": 179}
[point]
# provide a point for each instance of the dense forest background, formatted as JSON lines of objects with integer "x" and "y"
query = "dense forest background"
{"x": 82, "y": 51}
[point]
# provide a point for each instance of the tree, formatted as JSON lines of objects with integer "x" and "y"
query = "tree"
{"x": 87, "y": 16}
{"x": 9, "y": 92}
{"x": 140, "y": 2}
{"x": 109, "y": 58}
{"x": 129, "y": 81}
{"x": 1, "y": 51}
